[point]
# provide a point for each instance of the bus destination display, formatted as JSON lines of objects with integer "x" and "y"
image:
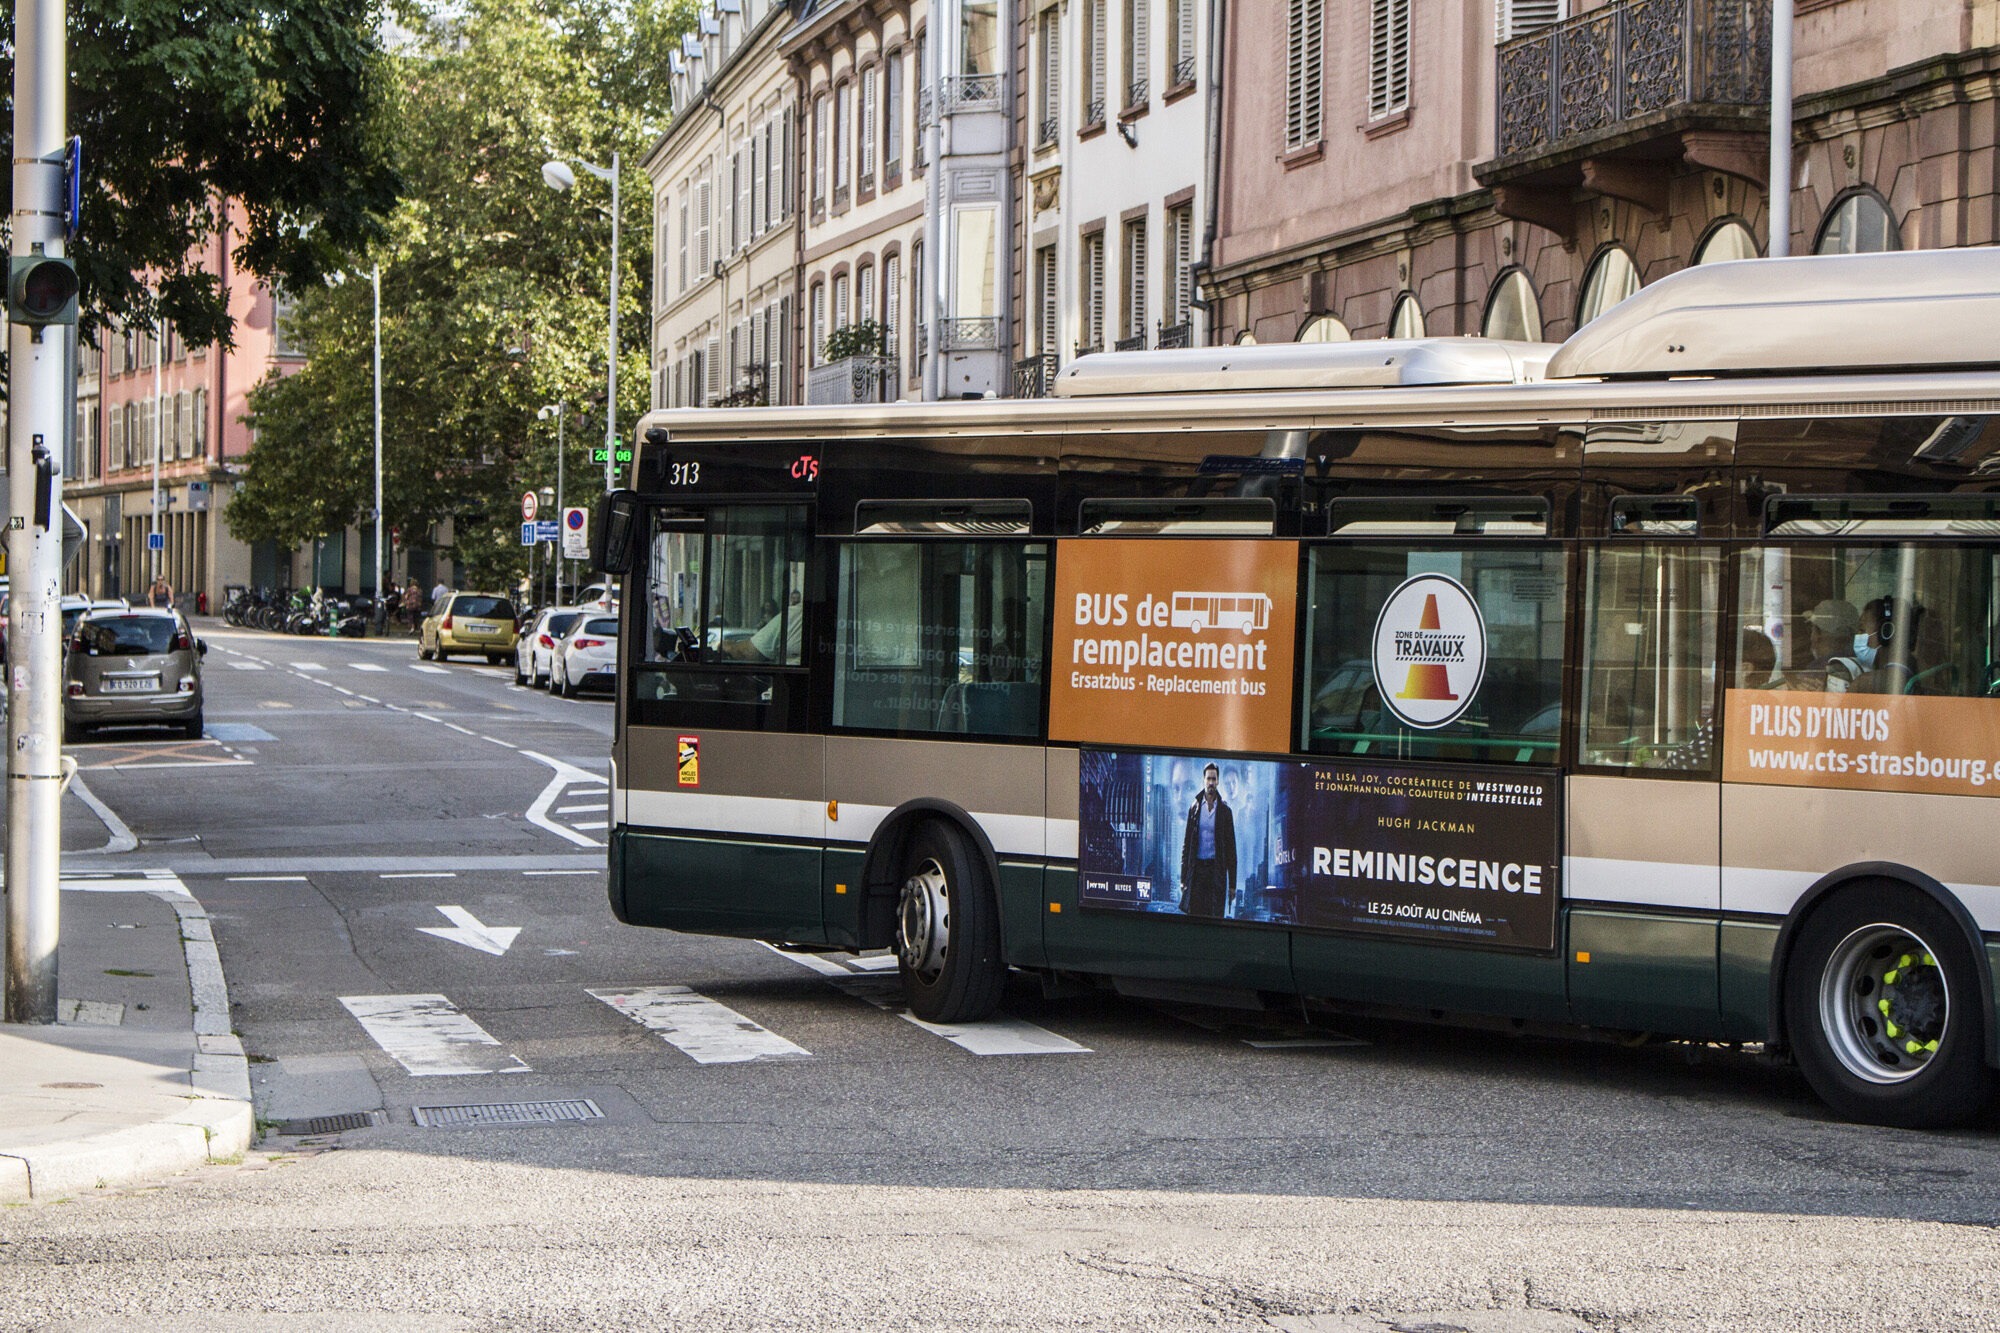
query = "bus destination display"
{"x": 1463, "y": 854}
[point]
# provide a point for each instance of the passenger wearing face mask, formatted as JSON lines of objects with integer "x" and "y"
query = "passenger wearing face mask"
{"x": 1884, "y": 646}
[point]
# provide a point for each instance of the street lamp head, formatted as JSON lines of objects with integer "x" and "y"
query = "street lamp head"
{"x": 553, "y": 409}
{"x": 558, "y": 176}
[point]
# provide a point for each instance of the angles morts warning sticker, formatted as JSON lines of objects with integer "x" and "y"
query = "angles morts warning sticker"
{"x": 687, "y": 761}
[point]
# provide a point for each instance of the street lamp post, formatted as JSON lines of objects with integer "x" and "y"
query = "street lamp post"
{"x": 558, "y": 176}
{"x": 556, "y": 410}
{"x": 375, "y": 283}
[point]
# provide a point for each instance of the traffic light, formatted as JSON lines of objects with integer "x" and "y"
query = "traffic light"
{"x": 41, "y": 289}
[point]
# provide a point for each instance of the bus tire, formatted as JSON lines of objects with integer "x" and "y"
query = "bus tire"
{"x": 1883, "y": 1001}
{"x": 947, "y": 928}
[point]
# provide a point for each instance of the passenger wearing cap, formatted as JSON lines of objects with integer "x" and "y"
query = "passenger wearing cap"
{"x": 1831, "y": 627}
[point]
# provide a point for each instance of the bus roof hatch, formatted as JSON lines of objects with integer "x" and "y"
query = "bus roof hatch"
{"x": 1375, "y": 363}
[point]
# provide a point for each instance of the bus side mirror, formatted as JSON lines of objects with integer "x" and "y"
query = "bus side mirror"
{"x": 614, "y": 537}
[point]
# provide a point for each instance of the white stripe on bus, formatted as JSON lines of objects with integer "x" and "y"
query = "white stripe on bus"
{"x": 785, "y": 817}
{"x": 704, "y": 1029}
{"x": 1605, "y": 879}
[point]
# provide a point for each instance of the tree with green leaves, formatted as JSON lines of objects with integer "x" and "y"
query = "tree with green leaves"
{"x": 269, "y": 103}
{"x": 494, "y": 287}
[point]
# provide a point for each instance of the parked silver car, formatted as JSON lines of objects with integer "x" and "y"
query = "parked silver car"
{"x": 132, "y": 668}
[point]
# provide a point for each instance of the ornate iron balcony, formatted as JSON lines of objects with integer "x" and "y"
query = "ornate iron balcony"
{"x": 1176, "y": 335}
{"x": 1586, "y": 77}
{"x": 1184, "y": 70}
{"x": 1034, "y": 376}
{"x": 1135, "y": 343}
{"x": 1051, "y": 129}
{"x": 1093, "y": 114}
{"x": 969, "y": 335}
{"x": 970, "y": 92}
{"x": 853, "y": 379}
{"x": 1135, "y": 92}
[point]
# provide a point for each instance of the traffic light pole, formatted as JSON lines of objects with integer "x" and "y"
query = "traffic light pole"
{"x": 36, "y": 418}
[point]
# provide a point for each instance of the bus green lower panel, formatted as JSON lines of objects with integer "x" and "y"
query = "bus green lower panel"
{"x": 713, "y": 886}
{"x": 1429, "y": 976}
{"x": 1021, "y": 913}
{"x": 1650, "y": 973}
{"x": 1993, "y": 968}
{"x": 841, "y": 896}
{"x": 1159, "y": 945}
{"x": 1743, "y": 980}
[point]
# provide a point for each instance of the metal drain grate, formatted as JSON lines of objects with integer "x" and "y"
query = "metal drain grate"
{"x": 505, "y": 1113}
{"x": 326, "y": 1124}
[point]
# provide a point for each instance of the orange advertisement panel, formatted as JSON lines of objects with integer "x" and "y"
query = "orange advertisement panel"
{"x": 1865, "y": 742}
{"x": 1174, "y": 643}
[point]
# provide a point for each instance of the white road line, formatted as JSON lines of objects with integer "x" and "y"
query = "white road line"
{"x": 246, "y": 666}
{"x": 368, "y": 698}
{"x": 566, "y": 776}
{"x": 367, "y": 666}
{"x": 428, "y": 1035}
{"x": 430, "y": 670}
{"x": 592, "y": 825}
{"x": 122, "y": 838}
{"x": 581, "y": 809}
{"x": 507, "y": 744}
{"x": 562, "y": 872}
{"x": 994, "y": 1036}
{"x": 308, "y": 666}
{"x": 264, "y": 879}
{"x": 710, "y": 1032}
{"x": 418, "y": 874}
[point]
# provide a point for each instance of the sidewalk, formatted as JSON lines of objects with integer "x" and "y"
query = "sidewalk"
{"x": 141, "y": 1077}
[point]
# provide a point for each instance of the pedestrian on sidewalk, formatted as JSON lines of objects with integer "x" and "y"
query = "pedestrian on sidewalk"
{"x": 413, "y": 602}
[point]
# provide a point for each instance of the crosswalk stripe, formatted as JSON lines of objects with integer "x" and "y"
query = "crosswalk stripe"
{"x": 581, "y": 809}
{"x": 367, "y": 666}
{"x": 1000, "y": 1035}
{"x": 431, "y": 670}
{"x": 704, "y": 1029}
{"x": 308, "y": 666}
{"x": 428, "y": 1035}
{"x": 587, "y": 825}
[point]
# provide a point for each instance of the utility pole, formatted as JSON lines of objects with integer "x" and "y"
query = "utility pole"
{"x": 1779, "y": 191}
{"x": 375, "y": 281}
{"x": 41, "y": 289}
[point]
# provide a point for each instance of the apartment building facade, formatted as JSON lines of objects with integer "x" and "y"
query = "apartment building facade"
{"x": 1515, "y": 168}
{"x": 724, "y": 218}
{"x": 1115, "y": 127}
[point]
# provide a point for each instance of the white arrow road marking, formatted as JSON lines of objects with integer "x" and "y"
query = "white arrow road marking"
{"x": 710, "y": 1032}
{"x": 428, "y": 1035}
{"x": 567, "y": 775}
{"x": 465, "y": 928}
{"x": 995, "y": 1036}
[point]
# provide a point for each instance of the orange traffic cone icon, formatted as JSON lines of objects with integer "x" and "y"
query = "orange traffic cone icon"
{"x": 1428, "y": 680}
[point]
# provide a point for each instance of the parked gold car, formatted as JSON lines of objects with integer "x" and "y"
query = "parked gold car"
{"x": 469, "y": 622}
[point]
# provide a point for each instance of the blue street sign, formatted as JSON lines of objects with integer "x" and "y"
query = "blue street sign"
{"x": 156, "y": 541}
{"x": 527, "y": 534}
{"x": 547, "y": 530}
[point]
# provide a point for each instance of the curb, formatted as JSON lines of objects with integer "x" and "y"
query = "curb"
{"x": 217, "y": 1121}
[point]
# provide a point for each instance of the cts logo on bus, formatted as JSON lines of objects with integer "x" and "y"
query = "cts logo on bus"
{"x": 1430, "y": 651}
{"x": 805, "y": 468}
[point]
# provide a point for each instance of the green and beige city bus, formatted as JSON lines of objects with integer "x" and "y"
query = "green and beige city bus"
{"x": 1646, "y": 684}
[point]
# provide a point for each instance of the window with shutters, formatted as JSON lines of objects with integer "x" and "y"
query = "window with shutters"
{"x": 843, "y": 147}
{"x": 684, "y": 240}
{"x": 869, "y": 87}
{"x": 1049, "y": 104}
{"x": 711, "y": 360}
{"x": 1092, "y": 313}
{"x": 923, "y": 101}
{"x": 117, "y": 440}
{"x": 819, "y": 154}
{"x": 184, "y": 417}
{"x": 754, "y": 185}
{"x": 864, "y": 293}
{"x": 1138, "y": 51}
{"x": 1388, "y": 57}
{"x": 1179, "y": 268}
{"x": 892, "y": 118}
{"x": 1093, "y": 64}
{"x": 1304, "y": 72}
{"x": 1519, "y": 17}
{"x": 1180, "y": 43}
{"x": 736, "y": 183}
{"x": 920, "y": 301}
{"x": 1135, "y": 280}
{"x": 892, "y": 303}
{"x": 840, "y": 310}
{"x": 704, "y": 200}
{"x": 817, "y": 331}
{"x": 1048, "y": 333}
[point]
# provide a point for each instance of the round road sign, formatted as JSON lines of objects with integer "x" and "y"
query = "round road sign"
{"x": 528, "y": 506}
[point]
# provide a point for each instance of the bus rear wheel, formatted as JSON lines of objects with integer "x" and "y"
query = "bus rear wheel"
{"x": 947, "y": 929}
{"x": 1883, "y": 1000}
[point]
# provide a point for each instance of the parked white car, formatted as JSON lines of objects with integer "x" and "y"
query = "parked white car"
{"x": 534, "y": 652}
{"x": 586, "y": 656}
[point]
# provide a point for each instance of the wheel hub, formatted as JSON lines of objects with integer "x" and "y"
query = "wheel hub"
{"x": 923, "y": 921}
{"x": 1884, "y": 1003}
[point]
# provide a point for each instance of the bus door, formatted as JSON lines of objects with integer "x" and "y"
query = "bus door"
{"x": 722, "y": 796}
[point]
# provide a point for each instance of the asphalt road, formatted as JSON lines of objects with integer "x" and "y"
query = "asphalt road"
{"x": 402, "y": 871}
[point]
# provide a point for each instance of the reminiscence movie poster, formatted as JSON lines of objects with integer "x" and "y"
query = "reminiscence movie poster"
{"x": 1439, "y": 853}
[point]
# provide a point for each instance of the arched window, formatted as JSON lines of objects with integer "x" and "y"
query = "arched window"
{"x": 1246, "y": 339}
{"x": 1857, "y": 225}
{"x": 1727, "y": 240}
{"x": 1511, "y": 309}
{"x": 1323, "y": 329}
{"x": 1408, "y": 321}
{"x": 1611, "y": 279}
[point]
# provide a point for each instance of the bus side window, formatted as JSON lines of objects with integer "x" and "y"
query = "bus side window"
{"x": 1650, "y": 657}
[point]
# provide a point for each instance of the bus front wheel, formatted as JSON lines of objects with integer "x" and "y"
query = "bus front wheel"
{"x": 947, "y": 929}
{"x": 1883, "y": 1001}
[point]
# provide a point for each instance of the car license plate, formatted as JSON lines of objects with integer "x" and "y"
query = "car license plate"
{"x": 132, "y": 685}
{"x": 473, "y": 627}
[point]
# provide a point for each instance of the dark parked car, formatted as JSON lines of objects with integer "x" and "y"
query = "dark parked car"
{"x": 132, "y": 667}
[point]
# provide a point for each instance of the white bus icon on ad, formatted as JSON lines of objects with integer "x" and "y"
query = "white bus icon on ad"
{"x": 1197, "y": 611}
